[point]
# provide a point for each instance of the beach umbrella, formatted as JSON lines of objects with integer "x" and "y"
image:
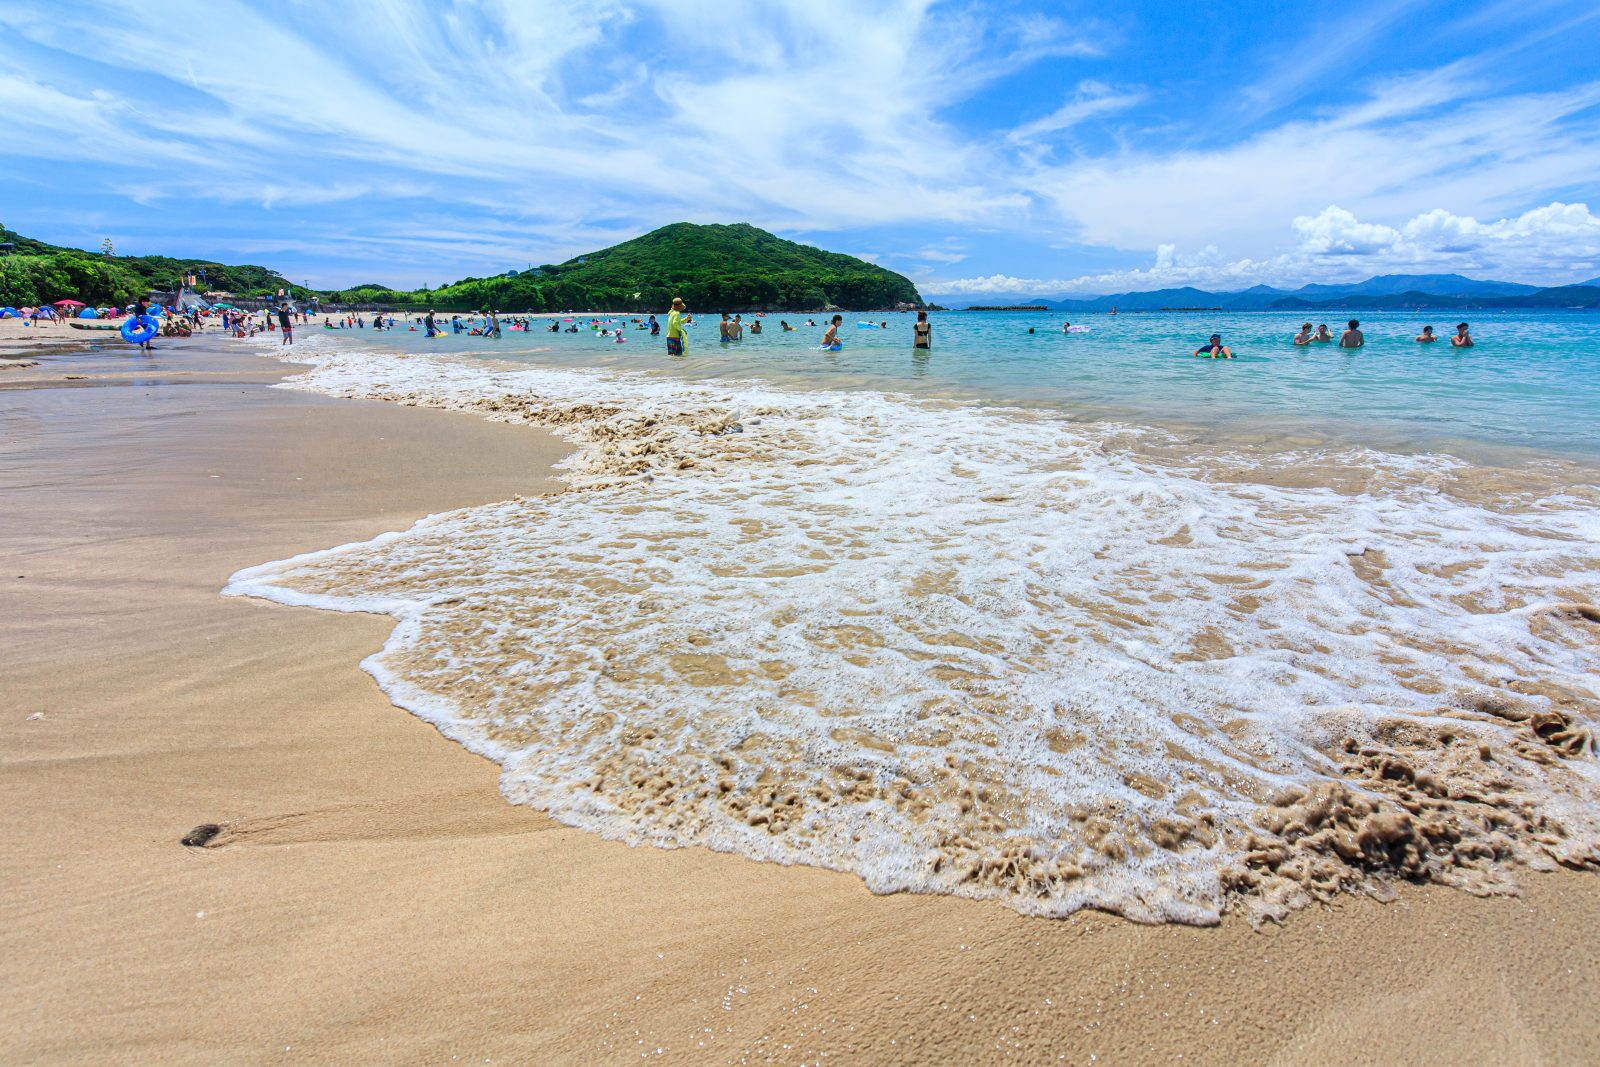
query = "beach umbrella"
{"x": 69, "y": 303}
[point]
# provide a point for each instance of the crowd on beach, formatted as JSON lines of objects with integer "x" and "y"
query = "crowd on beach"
{"x": 732, "y": 328}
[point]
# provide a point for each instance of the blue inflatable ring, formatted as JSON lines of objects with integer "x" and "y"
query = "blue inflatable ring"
{"x": 137, "y": 331}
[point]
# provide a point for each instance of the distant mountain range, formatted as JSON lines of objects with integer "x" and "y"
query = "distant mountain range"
{"x": 1382, "y": 291}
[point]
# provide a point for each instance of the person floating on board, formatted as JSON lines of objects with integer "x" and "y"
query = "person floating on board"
{"x": 1215, "y": 348}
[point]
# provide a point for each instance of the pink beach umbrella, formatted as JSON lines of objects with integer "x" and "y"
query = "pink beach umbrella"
{"x": 69, "y": 303}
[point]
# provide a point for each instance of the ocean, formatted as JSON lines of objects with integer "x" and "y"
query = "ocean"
{"x": 1055, "y": 620}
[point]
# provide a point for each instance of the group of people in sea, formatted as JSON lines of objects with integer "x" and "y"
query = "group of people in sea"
{"x": 1352, "y": 337}
{"x": 731, "y": 329}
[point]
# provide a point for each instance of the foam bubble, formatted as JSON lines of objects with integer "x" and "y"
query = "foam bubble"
{"x": 989, "y": 653}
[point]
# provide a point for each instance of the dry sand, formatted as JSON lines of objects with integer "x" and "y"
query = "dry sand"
{"x": 377, "y": 901}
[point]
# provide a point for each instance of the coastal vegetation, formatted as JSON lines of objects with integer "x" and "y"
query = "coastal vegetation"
{"x": 34, "y": 272}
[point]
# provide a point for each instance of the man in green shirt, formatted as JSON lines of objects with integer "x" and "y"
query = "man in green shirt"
{"x": 675, "y": 336}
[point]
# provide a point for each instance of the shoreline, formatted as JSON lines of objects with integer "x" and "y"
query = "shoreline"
{"x": 379, "y": 900}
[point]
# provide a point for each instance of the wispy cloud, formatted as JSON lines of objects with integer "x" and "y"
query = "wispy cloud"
{"x": 1091, "y": 100}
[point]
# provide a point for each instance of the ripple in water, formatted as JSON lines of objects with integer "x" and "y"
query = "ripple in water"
{"x": 985, "y": 653}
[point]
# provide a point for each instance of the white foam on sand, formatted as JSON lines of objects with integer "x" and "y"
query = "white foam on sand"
{"x": 991, "y": 653}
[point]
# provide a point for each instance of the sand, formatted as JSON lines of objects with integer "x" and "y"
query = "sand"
{"x": 376, "y": 901}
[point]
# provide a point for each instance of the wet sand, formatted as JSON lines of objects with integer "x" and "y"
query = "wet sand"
{"x": 377, "y": 901}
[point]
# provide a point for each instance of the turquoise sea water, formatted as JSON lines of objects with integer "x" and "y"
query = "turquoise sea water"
{"x": 1532, "y": 381}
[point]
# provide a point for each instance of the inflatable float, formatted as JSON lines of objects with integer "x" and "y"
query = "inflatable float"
{"x": 138, "y": 330}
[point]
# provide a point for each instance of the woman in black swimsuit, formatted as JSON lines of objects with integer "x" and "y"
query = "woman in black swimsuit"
{"x": 922, "y": 332}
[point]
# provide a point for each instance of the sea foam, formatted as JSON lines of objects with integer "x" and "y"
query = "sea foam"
{"x": 991, "y": 653}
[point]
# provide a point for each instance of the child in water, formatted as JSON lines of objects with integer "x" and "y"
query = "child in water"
{"x": 1215, "y": 348}
{"x": 831, "y": 338}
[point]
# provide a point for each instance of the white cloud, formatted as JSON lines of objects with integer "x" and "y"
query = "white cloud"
{"x": 1558, "y": 243}
{"x": 1091, "y": 100}
{"x": 535, "y": 121}
{"x": 1337, "y": 232}
{"x": 1376, "y": 158}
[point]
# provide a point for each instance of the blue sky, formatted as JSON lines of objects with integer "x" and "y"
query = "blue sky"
{"x": 981, "y": 149}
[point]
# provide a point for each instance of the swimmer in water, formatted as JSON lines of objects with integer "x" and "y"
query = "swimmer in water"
{"x": 1066, "y": 327}
{"x": 1426, "y": 337}
{"x": 1215, "y": 348}
{"x": 831, "y": 338}
{"x": 1353, "y": 337}
{"x": 1462, "y": 339}
{"x": 786, "y": 327}
{"x": 1322, "y": 335}
{"x": 1304, "y": 336}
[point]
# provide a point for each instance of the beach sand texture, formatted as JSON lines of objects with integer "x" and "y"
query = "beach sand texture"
{"x": 374, "y": 898}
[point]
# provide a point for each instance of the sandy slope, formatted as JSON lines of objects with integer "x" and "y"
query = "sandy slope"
{"x": 378, "y": 902}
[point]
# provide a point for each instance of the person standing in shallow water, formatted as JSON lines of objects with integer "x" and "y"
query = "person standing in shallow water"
{"x": 1353, "y": 337}
{"x": 830, "y": 339}
{"x": 922, "y": 332}
{"x": 1462, "y": 339}
{"x": 675, "y": 336}
{"x": 286, "y": 324}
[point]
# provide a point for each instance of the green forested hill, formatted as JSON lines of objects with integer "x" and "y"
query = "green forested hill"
{"x": 733, "y": 268}
{"x": 44, "y": 273}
